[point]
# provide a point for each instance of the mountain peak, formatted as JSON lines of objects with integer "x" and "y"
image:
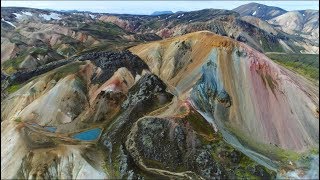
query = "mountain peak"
{"x": 259, "y": 10}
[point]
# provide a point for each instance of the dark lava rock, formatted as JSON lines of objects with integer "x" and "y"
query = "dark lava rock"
{"x": 110, "y": 62}
{"x": 208, "y": 168}
{"x": 22, "y": 76}
{"x": 224, "y": 98}
{"x": 259, "y": 171}
{"x": 235, "y": 156}
{"x": 168, "y": 145}
{"x": 106, "y": 103}
{"x": 147, "y": 37}
{"x": 126, "y": 165}
{"x": 3, "y": 76}
{"x": 148, "y": 86}
{"x": 145, "y": 96}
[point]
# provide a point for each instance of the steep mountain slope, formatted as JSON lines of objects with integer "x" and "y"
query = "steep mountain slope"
{"x": 268, "y": 102}
{"x": 304, "y": 23}
{"x": 261, "y": 11}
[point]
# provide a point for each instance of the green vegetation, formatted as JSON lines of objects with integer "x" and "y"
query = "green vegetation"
{"x": 57, "y": 75}
{"x": 269, "y": 46}
{"x": 102, "y": 30}
{"x": 67, "y": 51}
{"x": 36, "y": 51}
{"x": 305, "y": 64}
{"x": 314, "y": 150}
{"x": 109, "y": 46}
{"x": 200, "y": 125}
{"x": 154, "y": 24}
{"x": 13, "y": 88}
{"x": 10, "y": 66}
{"x": 18, "y": 120}
{"x": 269, "y": 150}
{"x": 221, "y": 152}
{"x": 63, "y": 71}
{"x": 69, "y": 47}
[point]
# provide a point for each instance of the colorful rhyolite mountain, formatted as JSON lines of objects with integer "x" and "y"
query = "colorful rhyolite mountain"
{"x": 194, "y": 106}
{"x": 263, "y": 101}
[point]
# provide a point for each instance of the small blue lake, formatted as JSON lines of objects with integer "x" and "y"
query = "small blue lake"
{"x": 50, "y": 128}
{"x": 88, "y": 135}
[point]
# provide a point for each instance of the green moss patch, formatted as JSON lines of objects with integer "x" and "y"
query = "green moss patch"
{"x": 200, "y": 125}
{"x": 14, "y": 88}
{"x": 67, "y": 69}
{"x": 305, "y": 64}
{"x": 11, "y": 66}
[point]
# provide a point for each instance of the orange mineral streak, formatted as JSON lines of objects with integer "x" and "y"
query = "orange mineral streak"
{"x": 113, "y": 84}
{"x": 201, "y": 42}
{"x": 121, "y": 81}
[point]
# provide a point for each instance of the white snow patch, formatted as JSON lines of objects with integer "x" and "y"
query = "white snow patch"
{"x": 254, "y": 13}
{"x": 180, "y": 15}
{"x": 27, "y": 13}
{"x": 259, "y": 7}
{"x": 92, "y": 16}
{"x": 18, "y": 16}
{"x": 8, "y": 22}
{"x": 303, "y": 15}
{"x": 50, "y": 16}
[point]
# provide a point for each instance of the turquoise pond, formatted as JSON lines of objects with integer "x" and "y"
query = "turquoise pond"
{"x": 88, "y": 135}
{"x": 51, "y": 128}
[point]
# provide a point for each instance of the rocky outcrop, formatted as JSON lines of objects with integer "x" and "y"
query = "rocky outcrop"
{"x": 109, "y": 62}
{"x": 168, "y": 149}
{"x": 23, "y": 76}
{"x": 146, "y": 88}
{"x": 148, "y": 94}
{"x": 175, "y": 147}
